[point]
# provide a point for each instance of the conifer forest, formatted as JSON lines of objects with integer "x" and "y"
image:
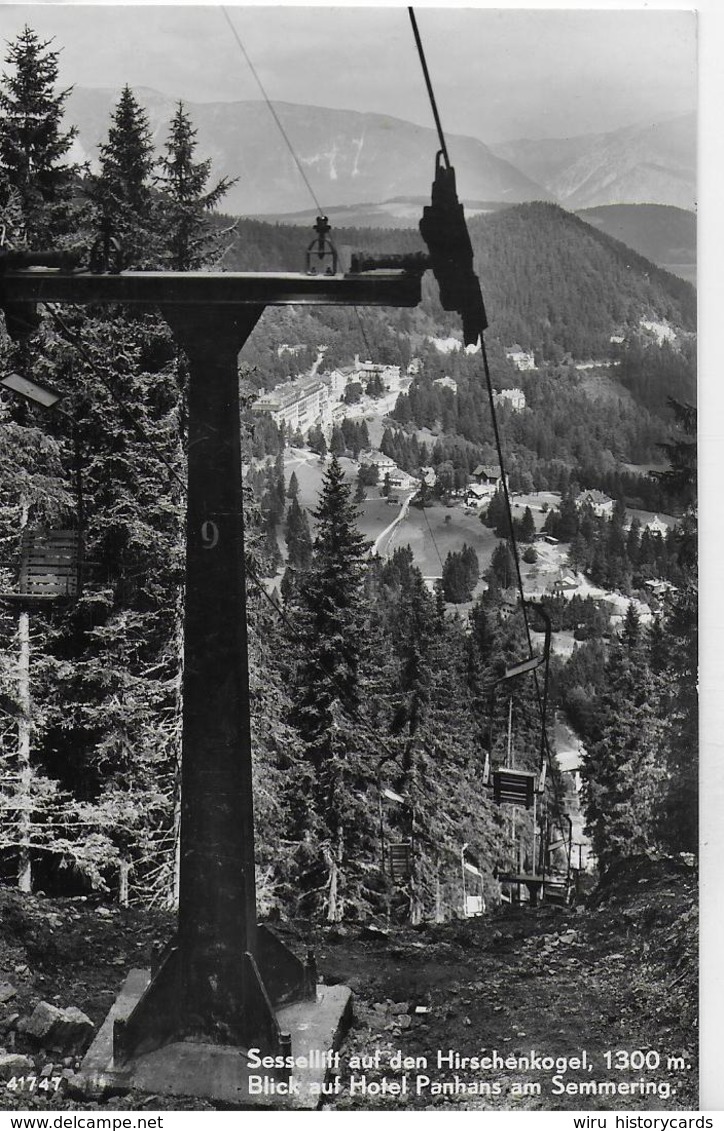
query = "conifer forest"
{"x": 383, "y": 711}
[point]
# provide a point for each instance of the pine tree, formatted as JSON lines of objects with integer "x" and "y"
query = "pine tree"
{"x": 679, "y": 815}
{"x": 631, "y": 631}
{"x": 190, "y": 240}
{"x": 32, "y": 140}
{"x": 681, "y": 450}
{"x": 496, "y": 515}
{"x": 502, "y": 566}
{"x": 337, "y": 444}
{"x": 108, "y": 665}
{"x": 454, "y": 581}
{"x": 326, "y": 690}
{"x": 679, "y": 700}
{"x": 331, "y": 622}
{"x": 527, "y": 526}
{"x": 298, "y": 537}
{"x": 122, "y": 192}
{"x": 568, "y": 520}
{"x": 622, "y": 770}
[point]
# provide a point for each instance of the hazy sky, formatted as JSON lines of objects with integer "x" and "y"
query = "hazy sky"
{"x": 498, "y": 73}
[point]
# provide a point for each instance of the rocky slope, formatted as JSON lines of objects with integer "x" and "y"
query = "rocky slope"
{"x": 618, "y": 971}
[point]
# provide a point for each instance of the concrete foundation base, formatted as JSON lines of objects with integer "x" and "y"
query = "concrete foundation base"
{"x": 222, "y": 1073}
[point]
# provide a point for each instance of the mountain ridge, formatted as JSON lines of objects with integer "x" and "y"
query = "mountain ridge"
{"x": 568, "y": 285}
{"x": 653, "y": 163}
{"x": 347, "y": 156}
{"x": 551, "y": 282}
{"x": 661, "y": 233}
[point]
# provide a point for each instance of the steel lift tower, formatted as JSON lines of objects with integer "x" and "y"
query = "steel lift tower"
{"x": 225, "y": 984}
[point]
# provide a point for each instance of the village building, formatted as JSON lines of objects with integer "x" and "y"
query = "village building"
{"x": 403, "y": 481}
{"x": 565, "y": 585}
{"x": 399, "y": 479}
{"x": 446, "y": 345}
{"x": 390, "y": 375}
{"x": 569, "y": 762}
{"x": 659, "y": 588}
{"x": 297, "y": 404}
{"x": 488, "y": 477}
{"x": 336, "y": 381}
{"x": 599, "y": 503}
{"x": 476, "y": 495}
{"x": 384, "y": 464}
{"x": 656, "y": 526}
{"x": 522, "y": 359}
{"x": 660, "y": 330}
{"x": 446, "y": 383}
{"x": 658, "y": 594}
{"x": 513, "y": 397}
{"x": 317, "y": 399}
{"x": 285, "y": 347}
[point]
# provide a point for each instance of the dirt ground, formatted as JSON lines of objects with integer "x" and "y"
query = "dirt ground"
{"x": 616, "y": 976}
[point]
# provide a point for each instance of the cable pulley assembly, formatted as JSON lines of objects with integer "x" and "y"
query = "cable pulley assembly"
{"x": 322, "y": 249}
{"x": 445, "y": 232}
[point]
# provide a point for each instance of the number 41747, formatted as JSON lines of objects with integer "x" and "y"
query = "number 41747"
{"x": 33, "y": 1083}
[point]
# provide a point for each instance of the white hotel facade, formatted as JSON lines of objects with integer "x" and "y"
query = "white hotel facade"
{"x": 307, "y": 401}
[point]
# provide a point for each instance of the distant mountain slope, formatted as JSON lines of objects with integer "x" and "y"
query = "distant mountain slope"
{"x": 654, "y": 163}
{"x": 665, "y": 235}
{"x": 347, "y": 156}
{"x": 402, "y": 212}
{"x": 552, "y": 282}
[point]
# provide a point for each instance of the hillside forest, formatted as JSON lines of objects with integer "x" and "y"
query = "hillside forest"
{"x": 362, "y": 677}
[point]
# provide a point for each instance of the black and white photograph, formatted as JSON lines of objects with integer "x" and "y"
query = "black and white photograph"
{"x": 349, "y": 708}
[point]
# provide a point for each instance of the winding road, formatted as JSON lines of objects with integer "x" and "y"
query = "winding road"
{"x": 389, "y": 530}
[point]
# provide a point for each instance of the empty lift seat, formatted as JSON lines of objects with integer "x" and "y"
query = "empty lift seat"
{"x": 49, "y": 564}
{"x": 558, "y": 891}
{"x": 514, "y": 787}
{"x": 400, "y": 861}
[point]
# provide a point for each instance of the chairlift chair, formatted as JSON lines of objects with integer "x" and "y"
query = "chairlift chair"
{"x": 472, "y": 881}
{"x": 49, "y": 564}
{"x": 559, "y": 887}
{"x": 400, "y": 860}
{"x": 50, "y": 567}
{"x": 397, "y": 856}
{"x": 511, "y": 786}
{"x": 50, "y": 559}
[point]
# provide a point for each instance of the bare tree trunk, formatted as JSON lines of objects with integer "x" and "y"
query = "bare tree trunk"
{"x": 439, "y": 917}
{"x": 335, "y": 856}
{"x": 415, "y": 909}
{"x": 332, "y": 899}
{"x": 124, "y": 869}
{"x": 415, "y": 901}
